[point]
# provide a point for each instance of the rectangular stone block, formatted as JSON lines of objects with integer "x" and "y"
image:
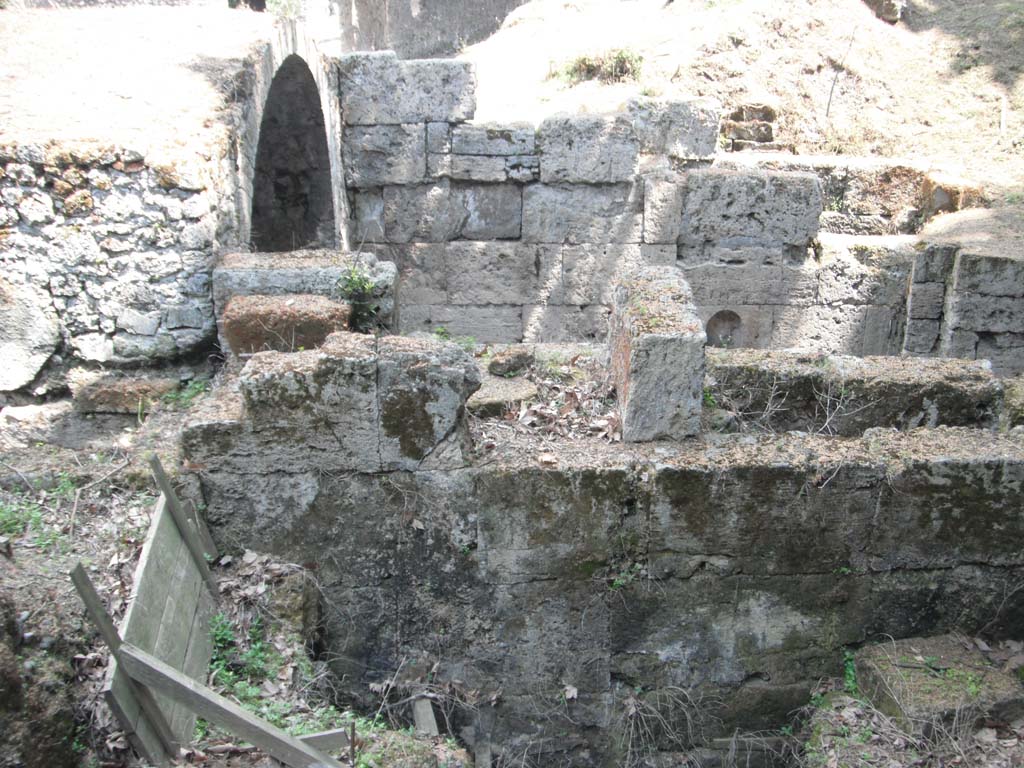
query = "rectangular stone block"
{"x": 447, "y": 211}
{"x": 503, "y": 273}
{"x": 590, "y": 272}
{"x": 982, "y": 313}
{"x": 421, "y": 273}
{"x": 523, "y": 168}
{"x": 680, "y": 129}
{"x": 575, "y": 213}
{"x": 490, "y": 324}
{"x": 378, "y": 88}
{"x": 656, "y": 343}
{"x": 663, "y": 209}
{"x": 990, "y": 275}
{"x": 287, "y": 323}
{"x": 740, "y": 209}
{"x": 594, "y": 149}
{"x": 934, "y": 264}
{"x": 749, "y": 284}
{"x": 439, "y": 137}
{"x": 477, "y": 168}
{"x": 560, "y": 323}
{"x": 494, "y": 139}
{"x": 376, "y": 155}
{"x": 922, "y": 337}
{"x": 926, "y": 301}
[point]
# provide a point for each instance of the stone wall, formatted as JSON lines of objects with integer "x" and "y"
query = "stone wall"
{"x": 562, "y": 592}
{"x": 108, "y": 251}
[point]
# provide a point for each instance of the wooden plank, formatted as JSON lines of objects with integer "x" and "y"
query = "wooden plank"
{"x": 423, "y": 717}
{"x": 150, "y": 671}
{"x": 197, "y": 657}
{"x": 98, "y": 613}
{"x": 187, "y": 530}
{"x": 327, "y": 741}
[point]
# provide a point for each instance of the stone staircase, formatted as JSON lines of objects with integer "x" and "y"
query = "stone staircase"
{"x": 293, "y": 300}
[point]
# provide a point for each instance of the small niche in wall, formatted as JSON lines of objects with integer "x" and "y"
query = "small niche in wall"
{"x": 724, "y": 328}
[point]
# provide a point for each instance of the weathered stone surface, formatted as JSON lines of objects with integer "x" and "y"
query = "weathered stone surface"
{"x": 366, "y": 224}
{"x": 498, "y": 395}
{"x": 502, "y": 273}
{"x": 663, "y": 209}
{"x": 588, "y": 149}
{"x": 421, "y": 273}
{"x": 423, "y": 385}
{"x": 448, "y": 211}
{"x": 29, "y": 333}
{"x": 925, "y": 683}
{"x": 494, "y": 139}
{"x": 356, "y": 404}
{"x": 591, "y": 272}
{"x": 679, "y": 129}
{"x": 500, "y": 324}
{"x": 656, "y": 343}
{"x": 989, "y": 275}
{"x": 753, "y": 130}
{"x": 582, "y": 214}
{"x": 511, "y": 360}
{"x": 285, "y": 323}
{"x": 376, "y": 155}
{"x": 378, "y": 88}
{"x": 738, "y": 209}
{"x": 926, "y": 301}
{"x": 439, "y": 137}
{"x": 838, "y": 395}
{"x": 97, "y": 391}
{"x": 547, "y": 323}
{"x": 474, "y": 168}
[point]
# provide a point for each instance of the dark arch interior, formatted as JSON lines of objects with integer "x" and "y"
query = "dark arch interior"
{"x": 723, "y": 329}
{"x": 291, "y": 199}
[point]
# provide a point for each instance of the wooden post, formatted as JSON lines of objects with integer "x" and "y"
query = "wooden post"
{"x": 98, "y": 613}
{"x": 150, "y": 671}
{"x": 190, "y": 536}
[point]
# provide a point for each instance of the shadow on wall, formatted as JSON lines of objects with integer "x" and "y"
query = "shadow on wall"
{"x": 292, "y": 204}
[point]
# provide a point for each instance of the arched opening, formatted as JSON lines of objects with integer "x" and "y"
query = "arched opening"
{"x": 292, "y": 204}
{"x": 723, "y": 329}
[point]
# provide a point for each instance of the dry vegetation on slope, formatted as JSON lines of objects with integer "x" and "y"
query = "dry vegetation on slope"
{"x": 945, "y": 85}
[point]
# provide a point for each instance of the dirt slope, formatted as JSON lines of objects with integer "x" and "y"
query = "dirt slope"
{"x": 946, "y": 85}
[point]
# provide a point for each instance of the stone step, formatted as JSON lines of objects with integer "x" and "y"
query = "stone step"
{"x": 318, "y": 272}
{"x": 927, "y": 683}
{"x": 97, "y": 391}
{"x": 285, "y": 323}
{"x": 498, "y": 394}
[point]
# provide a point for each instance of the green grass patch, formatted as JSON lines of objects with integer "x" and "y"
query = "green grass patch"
{"x": 615, "y": 66}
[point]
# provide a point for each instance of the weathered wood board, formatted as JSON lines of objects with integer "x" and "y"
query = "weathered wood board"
{"x": 169, "y": 615}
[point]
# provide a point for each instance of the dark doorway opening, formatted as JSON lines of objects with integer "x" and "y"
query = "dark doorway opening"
{"x": 724, "y": 328}
{"x": 292, "y": 204}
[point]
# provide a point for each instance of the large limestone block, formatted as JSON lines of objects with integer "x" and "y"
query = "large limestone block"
{"x": 282, "y": 323}
{"x": 378, "y": 88}
{"x": 990, "y": 275}
{"x": 376, "y": 155}
{"x": 424, "y": 385}
{"x": 590, "y": 272}
{"x": 444, "y": 211}
{"x": 488, "y": 323}
{"x": 502, "y": 273}
{"x": 738, "y": 209}
{"x": 680, "y": 129}
{"x": 657, "y": 342}
{"x": 29, "y": 333}
{"x": 574, "y": 213}
{"x": 594, "y": 149}
{"x": 663, "y": 209}
{"x": 494, "y": 139}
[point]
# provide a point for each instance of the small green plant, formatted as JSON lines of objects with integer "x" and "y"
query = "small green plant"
{"x": 626, "y": 576}
{"x": 357, "y": 288}
{"x": 443, "y": 333}
{"x": 708, "y": 398}
{"x": 615, "y": 66}
{"x": 184, "y": 397}
{"x": 843, "y": 571}
{"x": 850, "y": 674}
{"x": 285, "y": 10}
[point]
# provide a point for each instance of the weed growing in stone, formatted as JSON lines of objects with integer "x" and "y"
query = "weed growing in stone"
{"x": 850, "y": 674}
{"x": 615, "y": 66}
{"x": 357, "y": 288}
{"x": 184, "y": 397}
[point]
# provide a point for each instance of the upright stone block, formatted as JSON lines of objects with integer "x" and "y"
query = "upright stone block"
{"x": 680, "y": 129}
{"x": 657, "y": 343}
{"x": 379, "y": 89}
{"x": 663, "y": 208}
{"x": 502, "y": 273}
{"x": 376, "y": 155}
{"x": 494, "y": 139}
{"x": 588, "y": 149}
{"x": 444, "y": 211}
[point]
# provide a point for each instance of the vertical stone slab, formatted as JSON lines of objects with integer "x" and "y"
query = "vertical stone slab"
{"x": 657, "y": 356}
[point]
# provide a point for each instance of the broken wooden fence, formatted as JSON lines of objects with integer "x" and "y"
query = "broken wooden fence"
{"x": 163, "y": 651}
